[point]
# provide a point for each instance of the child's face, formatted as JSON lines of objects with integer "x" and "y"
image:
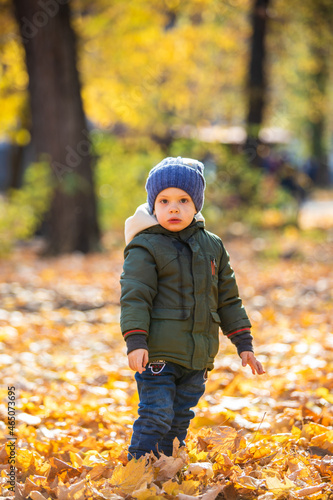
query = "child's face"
{"x": 174, "y": 209}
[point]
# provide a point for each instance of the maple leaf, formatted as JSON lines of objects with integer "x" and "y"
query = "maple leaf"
{"x": 220, "y": 439}
{"x": 167, "y": 467}
{"x": 131, "y": 477}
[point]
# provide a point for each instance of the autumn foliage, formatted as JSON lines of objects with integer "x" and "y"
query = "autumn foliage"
{"x": 268, "y": 437}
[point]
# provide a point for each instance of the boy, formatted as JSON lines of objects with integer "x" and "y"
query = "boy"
{"x": 177, "y": 290}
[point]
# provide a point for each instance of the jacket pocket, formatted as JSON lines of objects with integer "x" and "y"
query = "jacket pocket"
{"x": 170, "y": 333}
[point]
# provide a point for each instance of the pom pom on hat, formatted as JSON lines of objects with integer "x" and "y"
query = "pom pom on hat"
{"x": 182, "y": 173}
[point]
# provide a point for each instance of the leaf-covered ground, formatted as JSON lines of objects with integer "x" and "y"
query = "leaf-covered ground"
{"x": 253, "y": 437}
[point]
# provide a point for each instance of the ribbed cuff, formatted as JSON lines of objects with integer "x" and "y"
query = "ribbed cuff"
{"x": 242, "y": 339}
{"x": 136, "y": 341}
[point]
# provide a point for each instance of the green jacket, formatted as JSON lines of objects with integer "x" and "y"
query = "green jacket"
{"x": 178, "y": 288}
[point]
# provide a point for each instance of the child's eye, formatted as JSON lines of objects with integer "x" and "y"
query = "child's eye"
{"x": 184, "y": 200}
{"x": 163, "y": 201}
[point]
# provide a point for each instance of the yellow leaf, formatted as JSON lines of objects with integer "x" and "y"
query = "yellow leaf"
{"x": 248, "y": 482}
{"x": 311, "y": 429}
{"x": 324, "y": 441}
{"x": 200, "y": 456}
{"x": 75, "y": 459}
{"x": 171, "y": 487}
{"x": 189, "y": 487}
{"x": 24, "y": 458}
{"x": 143, "y": 492}
{"x": 273, "y": 483}
{"x": 92, "y": 458}
{"x": 132, "y": 476}
{"x": 221, "y": 440}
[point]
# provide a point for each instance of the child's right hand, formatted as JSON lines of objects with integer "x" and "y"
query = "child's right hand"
{"x": 138, "y": 359}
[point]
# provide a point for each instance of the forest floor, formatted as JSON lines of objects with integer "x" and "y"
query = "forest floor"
{"x": 63, "y": 364}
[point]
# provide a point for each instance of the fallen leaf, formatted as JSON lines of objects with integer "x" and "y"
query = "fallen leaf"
{"x": 74, "y": 492}
{"x": 204, "y": 469}
{"x": 273, "y": 483}
{"x": 221, "y": 439}
{"x": 131, "y": 477}
{"x": 167, "y": 467}
{"x": 212, "y": 493}
{"x": 310, "y": 490}
{"x": 36, "y": 495}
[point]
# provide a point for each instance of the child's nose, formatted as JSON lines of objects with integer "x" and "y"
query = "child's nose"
{"x": 174, "y": 207}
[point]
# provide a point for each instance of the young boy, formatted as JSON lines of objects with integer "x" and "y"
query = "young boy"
{"x": 177, "y": 290}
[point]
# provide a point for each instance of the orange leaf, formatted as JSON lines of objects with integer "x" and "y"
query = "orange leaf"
{"x": 132, "y": 476}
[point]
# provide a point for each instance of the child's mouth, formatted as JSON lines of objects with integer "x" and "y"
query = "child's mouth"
{"x": 173, "y": 221}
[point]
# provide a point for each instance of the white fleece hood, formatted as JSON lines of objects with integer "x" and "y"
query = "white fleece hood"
{"x": 142, "y": 219}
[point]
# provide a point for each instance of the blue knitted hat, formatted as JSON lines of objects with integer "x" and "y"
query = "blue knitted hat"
{"x": 182, "y": 173}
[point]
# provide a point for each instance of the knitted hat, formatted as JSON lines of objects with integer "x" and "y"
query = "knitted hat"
{"x": 182, "y": 173}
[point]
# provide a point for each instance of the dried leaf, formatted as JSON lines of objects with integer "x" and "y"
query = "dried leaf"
{"x": 36, "y": 495}
{"x": 273, "y": 483}
{"x": 221, "y": 440}
{"x": 310, "y": 490}
{"x": 167, "y": 467}
{"x": 204, "y": 469}
{"x": 144, "y": 492}
{"x": 212, "y": 493}
{"x": 74, "y": 492}
{"x": 248, "y": 482}
{"x": 131, "y": 477}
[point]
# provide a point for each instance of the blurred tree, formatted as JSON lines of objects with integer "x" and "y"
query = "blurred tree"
{"x": 257, "y": 79}
{"x": 167, "y": 65}
{"x": 59, "y": 129}
{"x": 301, "y": 70}
{"x": 320, "y": 19}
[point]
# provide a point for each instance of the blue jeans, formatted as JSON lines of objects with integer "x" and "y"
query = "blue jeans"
{"x": 164, "y": 409}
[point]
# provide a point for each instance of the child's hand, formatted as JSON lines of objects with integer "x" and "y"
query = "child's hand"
{"x": 138, "y": 359}
{"x": 248, "y": 358}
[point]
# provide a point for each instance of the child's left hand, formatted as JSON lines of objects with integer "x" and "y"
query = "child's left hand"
{"x": 248, "y": 358}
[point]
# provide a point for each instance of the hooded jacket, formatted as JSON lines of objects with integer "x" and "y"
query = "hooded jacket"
{"x": 177, "y": 289}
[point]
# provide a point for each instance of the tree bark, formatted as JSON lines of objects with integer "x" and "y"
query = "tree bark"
{"x": 319, "y": 80}
{"x": 59, "y": 130}
{"x": 257, "y": 83}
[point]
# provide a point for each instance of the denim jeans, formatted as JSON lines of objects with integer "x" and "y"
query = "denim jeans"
{"x": 164, "y": 409}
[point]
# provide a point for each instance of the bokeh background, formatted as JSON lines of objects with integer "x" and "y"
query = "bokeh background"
{"x": 93, "y": 94}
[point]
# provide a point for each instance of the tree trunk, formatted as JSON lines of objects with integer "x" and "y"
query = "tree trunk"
{"x": 319, "y": 121}
{"x": 256, "y": 84}
{"x": 59, "y": 130}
